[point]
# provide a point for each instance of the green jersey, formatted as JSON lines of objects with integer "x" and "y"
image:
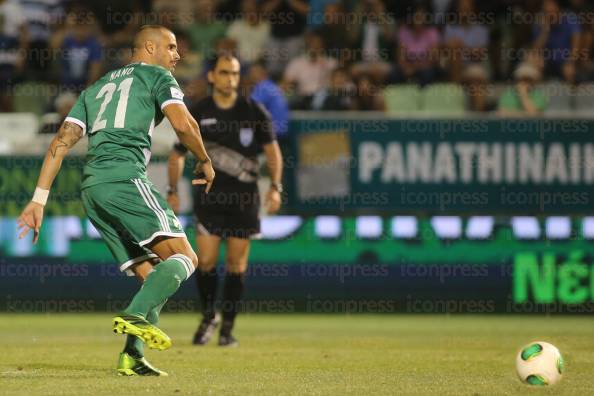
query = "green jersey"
{"x": 119, "y": 113}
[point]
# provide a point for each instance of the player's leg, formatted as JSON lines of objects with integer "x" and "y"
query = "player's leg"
{"x": 141, "y": 272}
{"x": 178, "y": 264}
{"x": 131, "y": 361}
{"x": 134, "y": 261}
{"x": 136, "y": 208}
{"x": 236, "y": 262}
{"x": 135, "y": 346}
{"x": 207, "y": 281}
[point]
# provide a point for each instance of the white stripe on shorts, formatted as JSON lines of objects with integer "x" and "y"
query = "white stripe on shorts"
{"x": 153, "y": 199}
{"x": 159, "y": 213}
{"x": 125, "y": 267}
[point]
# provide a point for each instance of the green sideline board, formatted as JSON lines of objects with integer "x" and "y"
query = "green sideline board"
{"x": 470, "y": 166}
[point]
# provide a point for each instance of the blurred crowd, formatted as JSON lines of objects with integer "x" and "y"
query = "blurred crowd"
{"x": 310, "y": 55}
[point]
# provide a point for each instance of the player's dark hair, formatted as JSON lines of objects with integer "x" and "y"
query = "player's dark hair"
{"x": 146, "y": 27}
{"x": 143, "y": 28}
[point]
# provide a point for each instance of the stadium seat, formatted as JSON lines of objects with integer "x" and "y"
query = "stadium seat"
{"x": 18, "y": 129}
{"x": 402, "y": 99}
{"x": 445, "y": 99}
{"x": 585, "y": 99}
{"x": 31, "y": 97}
{"x": 560, "y": 96}
{"x": 497, "y": 90}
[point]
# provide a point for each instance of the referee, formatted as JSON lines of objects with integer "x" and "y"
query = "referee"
{"x": 235, "y": 130}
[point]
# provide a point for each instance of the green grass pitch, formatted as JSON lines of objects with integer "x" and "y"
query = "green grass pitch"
{"x": 296, "y": 355}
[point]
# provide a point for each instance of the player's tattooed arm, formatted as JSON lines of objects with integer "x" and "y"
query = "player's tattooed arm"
{"x": 64, "y": 140}
{"x": 68, "y": 135}
{"x": 32, "y": 216}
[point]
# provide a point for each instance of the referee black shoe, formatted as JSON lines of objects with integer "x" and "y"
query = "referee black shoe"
{"x": 206, "y": 330}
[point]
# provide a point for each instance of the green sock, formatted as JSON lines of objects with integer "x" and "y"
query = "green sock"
{"x": 134, "y": 345}
{"x": 160, "y": 285}
{"x": 153, "y": 316}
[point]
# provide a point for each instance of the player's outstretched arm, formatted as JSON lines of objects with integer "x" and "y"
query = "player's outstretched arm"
{"x": 188, "y": 132}
{"x": 274, "y": 160}
{"x": 32, "y": 215}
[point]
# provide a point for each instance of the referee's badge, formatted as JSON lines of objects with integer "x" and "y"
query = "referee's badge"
{"x": 246, "y": 136}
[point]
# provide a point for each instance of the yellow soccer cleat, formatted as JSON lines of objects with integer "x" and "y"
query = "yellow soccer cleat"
{"x": 129, "y": 366}
{"x": 150, "y": 334}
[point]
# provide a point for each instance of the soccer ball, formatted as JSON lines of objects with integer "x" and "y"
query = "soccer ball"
{"x": 539, "y": 363}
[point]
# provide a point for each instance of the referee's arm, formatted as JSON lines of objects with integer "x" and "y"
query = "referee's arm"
{"x": 274, "y": 160}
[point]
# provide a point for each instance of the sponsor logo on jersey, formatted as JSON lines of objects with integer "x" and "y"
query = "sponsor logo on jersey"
{"x": 176, "y": 93}
{"x": 246, "y": 136}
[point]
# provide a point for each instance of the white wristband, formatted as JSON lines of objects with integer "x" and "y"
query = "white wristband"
{"x": 40, "y": 196}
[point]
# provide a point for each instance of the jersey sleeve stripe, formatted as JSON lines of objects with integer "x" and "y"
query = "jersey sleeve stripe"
{"x": 171, "y": 101}
{"x": 77, "y": 122}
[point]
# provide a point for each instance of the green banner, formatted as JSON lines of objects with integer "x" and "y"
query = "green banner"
{"x": 462, "y": 166}
{"x": 385, "y": 166}
{"x": 549, "y": 278}
{"x": 18, "y": 177}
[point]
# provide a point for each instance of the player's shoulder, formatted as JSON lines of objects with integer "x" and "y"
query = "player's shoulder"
{"x": 126, "y": 70}
{"x": 149, "y": 71}
{"x": 155, "y": 73}
{"x": 155, "y": 69}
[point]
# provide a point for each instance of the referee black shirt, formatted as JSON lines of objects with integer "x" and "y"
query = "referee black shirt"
{"x": 233, "y": 138}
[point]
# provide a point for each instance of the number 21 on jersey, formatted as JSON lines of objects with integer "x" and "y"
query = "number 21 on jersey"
{"x": 107, "y": 94}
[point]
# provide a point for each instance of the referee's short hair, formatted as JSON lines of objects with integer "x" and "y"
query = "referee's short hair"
{"x": 214, "y": 60}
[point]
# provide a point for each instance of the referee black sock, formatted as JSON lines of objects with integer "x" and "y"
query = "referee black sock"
{"x": 232, "y": 293}
{"x": 207, "y": 282}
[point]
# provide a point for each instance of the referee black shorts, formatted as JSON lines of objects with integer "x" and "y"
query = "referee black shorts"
{"x": 227, "y": 221}
{"x": 227, "y": 224}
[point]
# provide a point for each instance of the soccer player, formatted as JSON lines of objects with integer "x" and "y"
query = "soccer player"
{"x": 118, "y": 113}
{"x": 236, "y": 130}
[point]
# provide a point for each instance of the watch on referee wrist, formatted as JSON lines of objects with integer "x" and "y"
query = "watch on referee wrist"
{"x": 171, "y": 190}
{"x": 277, "y": 186}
